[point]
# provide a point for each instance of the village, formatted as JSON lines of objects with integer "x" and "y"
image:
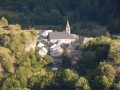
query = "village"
{"x": 59, "y": 44}
{"x": 55, "y": 43}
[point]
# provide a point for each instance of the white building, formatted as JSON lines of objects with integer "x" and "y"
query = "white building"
{"x": 62, "y": 37}
{"x": 56, "y": 51}
{"x": 40, "y": 44}
{"x": 46, "y": 32}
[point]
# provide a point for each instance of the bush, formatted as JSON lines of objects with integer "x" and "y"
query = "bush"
{"x": 3, "y": 22}
{"x": 33, "y": 32}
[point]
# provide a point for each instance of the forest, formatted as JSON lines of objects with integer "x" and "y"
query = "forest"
{"x": 84, "y": 15}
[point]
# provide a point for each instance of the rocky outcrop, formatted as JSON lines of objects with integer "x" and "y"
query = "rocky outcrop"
{"x": 31, "y": 45}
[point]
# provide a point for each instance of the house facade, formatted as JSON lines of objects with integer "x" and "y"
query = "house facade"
{"x": 61, "y": 38}
{"x": 75, "y": 56}
{"x": 56, "y": 51}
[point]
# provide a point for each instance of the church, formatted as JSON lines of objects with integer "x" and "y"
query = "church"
{"x": 62, "y": 37}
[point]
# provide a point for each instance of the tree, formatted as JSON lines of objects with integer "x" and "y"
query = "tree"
{"x": 24, "y": 70}
{"x": 33, "y": 32}
{"x": 82, "y": 84}
{"x": 69, "y": 78}
{"x": 102, "y": 52}
{"x": 117, "y": 86}
{"x": 102, "y": 83}
{"x": 6, "y": 60}
{"x": 46, "y": 80}
{"x": 3, "y": 22}
{"x": 54, "y": 16}
{"x": 88, "y": 59}
{"x": 114, "y": 26}
{"x": 114, "y": 55}
{"x": 10, "y": 83}
{"x": 107, "y": 34}
{"x": 23, "y": 81}
{"x": 47, "y": 60}
{"x": 41, "y": 81}
{"x": 106, "y": 70}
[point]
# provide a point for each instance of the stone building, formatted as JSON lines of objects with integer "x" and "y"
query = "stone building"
{"x": 62, "y": 37}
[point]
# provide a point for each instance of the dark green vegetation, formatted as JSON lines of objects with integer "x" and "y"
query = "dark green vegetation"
{"x": 100, "y": 63}
{"x": 85, "y": 16}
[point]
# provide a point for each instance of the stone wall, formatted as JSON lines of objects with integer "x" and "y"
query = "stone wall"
{"x": 61, "y": 41}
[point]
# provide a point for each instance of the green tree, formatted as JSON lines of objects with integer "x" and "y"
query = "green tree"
{"x": 10, "y": 83}
{"x": 114, "y": 55}
{"x": 3, "y": 22}
{"x": 33, "y": 32}
{"x": 41, "y": 80}
{"x": 107, "y": 70}
{"x": 114, "y": 26}
{"x": 107, "y": 34}
{"x": 46, "y": 80}
{"x": 69, "y": 78}
{"x": 82, "y": 84}
{"x": 47, "y": 60}
{"x": 23, "y": 81}
{"x": 102, "y": 83}
{"x": 117, "y": 86}
{"x": 24, "y": 70}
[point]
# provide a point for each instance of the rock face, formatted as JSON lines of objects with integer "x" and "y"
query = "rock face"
{"x": 30, "y": 45}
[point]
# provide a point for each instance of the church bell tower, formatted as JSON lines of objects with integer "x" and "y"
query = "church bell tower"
{"x": 68, "y": 27}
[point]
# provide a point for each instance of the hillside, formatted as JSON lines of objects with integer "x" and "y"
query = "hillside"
{"x": 52, "y": 14}
{"x": 24, "y": 69}
{"x": 13, "y": 42}
{"x": 19, "y": 60}
{"x": 26, "y": 62}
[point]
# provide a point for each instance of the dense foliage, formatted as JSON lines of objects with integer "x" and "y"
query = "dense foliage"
{"x": 82, "y": 14}
{"x": 100, "y": 63}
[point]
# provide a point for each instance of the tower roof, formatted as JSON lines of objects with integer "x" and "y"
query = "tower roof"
{"x": 67, "y": 24}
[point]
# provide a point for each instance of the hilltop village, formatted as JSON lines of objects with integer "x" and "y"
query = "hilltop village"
{"x": 59, "y": 42}
{"x": 41, "y": 50}
{"x": 49, "y": 60}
